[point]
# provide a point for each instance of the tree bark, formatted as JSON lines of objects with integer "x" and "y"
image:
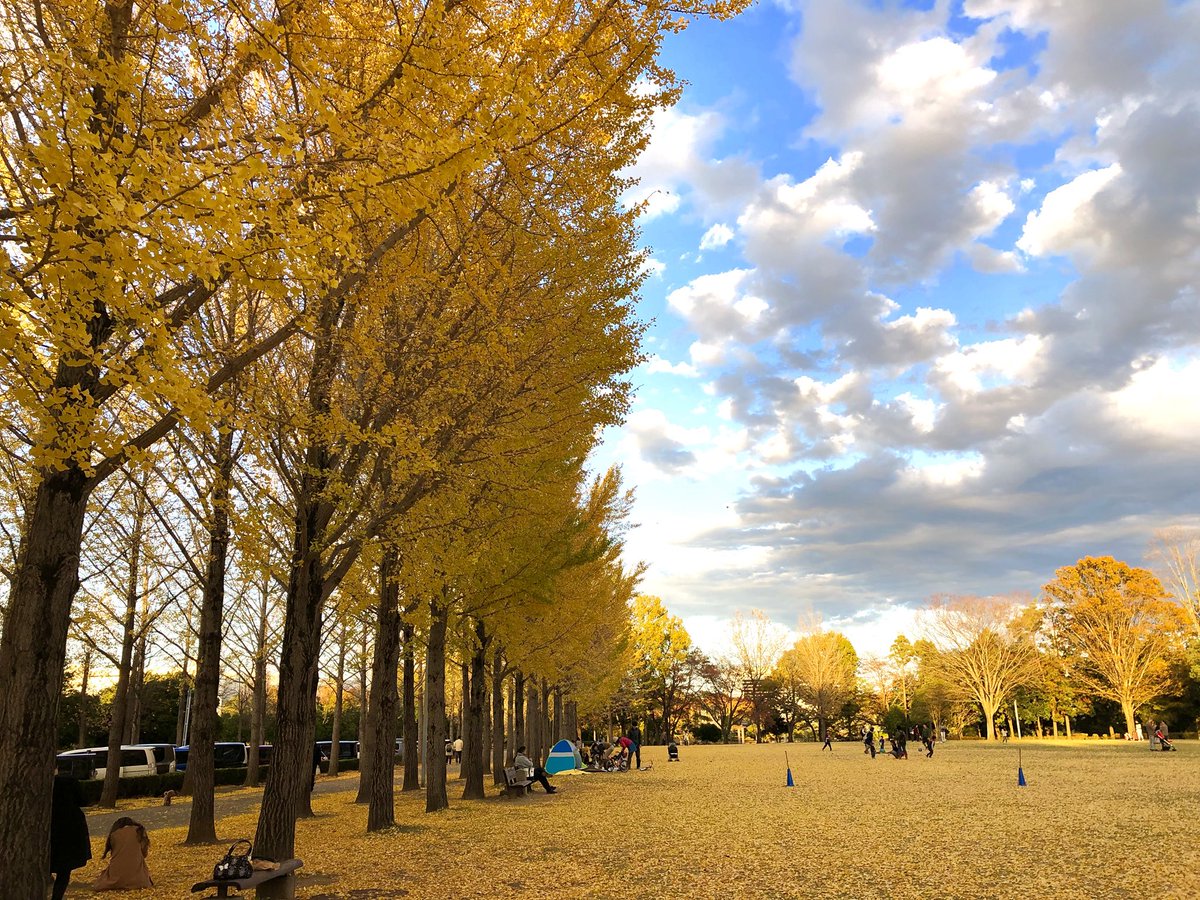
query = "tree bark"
{"x": 543, "y": 735}
{"x": 381, "y": 713}
{"x": 519, "y": 734}
{"x": 33, "y": 649}
{"x": 498, "y": 716}
{"x": 258, "y": 711}
{"x": 83, "y": 696}
{"x": 289, "y": 778}
{"x": 120, "y": 703}
{"x": 412, "y": 775}
{"x": 556, "y": 729}
{"x": 202, "y": 826}
{"x": 339, "y": 686}
{"x": 435, "y": 696}
{"x": 365, "y": 750}
{"x": 473, "y": 701}
{"x": 137, "y": 680}
{"x": 1130, "y": 721}
{"x": 532, "y": 718}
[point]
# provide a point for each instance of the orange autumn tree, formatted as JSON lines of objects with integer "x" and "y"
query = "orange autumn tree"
{"x": 1120, "y": 629}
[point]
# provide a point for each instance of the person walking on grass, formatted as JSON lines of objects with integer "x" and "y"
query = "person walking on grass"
{"x": 869, "y": 742}
{"x": 828, "y": 745}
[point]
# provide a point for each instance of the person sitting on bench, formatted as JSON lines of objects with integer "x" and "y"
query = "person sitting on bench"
{"x": 522, "y": 761}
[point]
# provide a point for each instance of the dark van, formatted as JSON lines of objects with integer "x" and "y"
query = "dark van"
{"x": 226, "y": 755}
{"x": 346, "y": 750}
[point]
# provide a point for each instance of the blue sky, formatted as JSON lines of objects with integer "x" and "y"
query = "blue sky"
{"x": 924, "y": 304}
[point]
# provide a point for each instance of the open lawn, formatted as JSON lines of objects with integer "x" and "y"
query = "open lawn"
{"x": 1097, "y": 820}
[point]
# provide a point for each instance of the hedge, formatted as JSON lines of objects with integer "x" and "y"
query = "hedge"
{"x": 157, "y": 785}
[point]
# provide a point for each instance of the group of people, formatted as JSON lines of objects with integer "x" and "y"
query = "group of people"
{"x": 620, "y": 755}
{"x": 926, "y": 735}
{"x": 71, "y": 846}
{"x": 1160, "y": 733}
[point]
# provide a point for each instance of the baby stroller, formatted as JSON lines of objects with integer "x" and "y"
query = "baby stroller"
{"x": 618, "y": 759}
{"x": 1163, "y": 743}
{"x": 672, "y": 752}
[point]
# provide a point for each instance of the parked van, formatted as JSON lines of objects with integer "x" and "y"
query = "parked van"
{"x": 136, "y": 759}
{"x": 226, "y": 755}
{"x": 346, "y": 750}
{"x": 164, "y": 757}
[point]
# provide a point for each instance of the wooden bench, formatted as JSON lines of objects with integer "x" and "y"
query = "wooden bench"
{"x": 279, "y": 884}
{"x": 516, "y": 782}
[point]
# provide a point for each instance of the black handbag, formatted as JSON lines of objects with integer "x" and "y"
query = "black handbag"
{"x": 234, "y": 865}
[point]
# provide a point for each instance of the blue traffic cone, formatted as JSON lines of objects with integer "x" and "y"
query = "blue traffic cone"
{"x": 1020, "y": 777}
{"x": 790, "y": 783}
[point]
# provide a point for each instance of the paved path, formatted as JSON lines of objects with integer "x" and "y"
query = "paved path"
{"x": 230, "y": 801}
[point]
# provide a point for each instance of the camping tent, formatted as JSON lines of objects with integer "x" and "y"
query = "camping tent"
{"x": 563, "y": 756}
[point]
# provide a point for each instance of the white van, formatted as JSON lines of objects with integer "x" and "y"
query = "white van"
{"x": 136, "y": 759}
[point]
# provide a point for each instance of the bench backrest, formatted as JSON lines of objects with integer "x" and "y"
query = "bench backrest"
{"x": 515, "y": 775}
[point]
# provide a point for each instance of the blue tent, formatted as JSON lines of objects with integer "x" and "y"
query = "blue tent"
{"x": 563, "y": 757}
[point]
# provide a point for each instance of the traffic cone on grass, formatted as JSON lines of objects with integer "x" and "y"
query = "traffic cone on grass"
{"x": 1020, "y": 771}
{"x": 790, "y": 783}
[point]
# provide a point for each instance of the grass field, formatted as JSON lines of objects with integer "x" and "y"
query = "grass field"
{"x": 1096, "y": 820}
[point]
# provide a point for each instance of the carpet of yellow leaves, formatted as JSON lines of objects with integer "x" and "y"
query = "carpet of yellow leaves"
{"x": 1096, "y": 820}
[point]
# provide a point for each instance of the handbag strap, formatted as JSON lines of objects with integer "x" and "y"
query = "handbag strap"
{"x": 236, "y": 844}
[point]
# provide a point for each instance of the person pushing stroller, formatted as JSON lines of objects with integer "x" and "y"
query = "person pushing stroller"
{"x": 1164, "y": 743}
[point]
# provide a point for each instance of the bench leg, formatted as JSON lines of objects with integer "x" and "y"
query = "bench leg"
{"x": 282, "y": 888}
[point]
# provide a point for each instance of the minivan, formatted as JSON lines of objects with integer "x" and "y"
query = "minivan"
{"x": 136, "y": 759}
{"x": 346, "y": 750}
{"x": 226, "y": 755}
{"x": 164, "y": 757}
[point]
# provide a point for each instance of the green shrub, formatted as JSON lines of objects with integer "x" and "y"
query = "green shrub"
{"x": 142, "y": 786}
{"x": 707, "y": 733}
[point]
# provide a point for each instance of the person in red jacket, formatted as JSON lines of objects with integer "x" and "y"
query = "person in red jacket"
{"x": 627, "y": 745}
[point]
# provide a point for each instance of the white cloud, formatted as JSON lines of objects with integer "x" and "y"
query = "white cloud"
{"x": 717, "y": 236}
{"x": 656, "y": 365}
{"x": 1065, "y": 221}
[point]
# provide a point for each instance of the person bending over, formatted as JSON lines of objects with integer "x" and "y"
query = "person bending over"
{"x": 539, "y": 774}
{"x": 129, "y": 846}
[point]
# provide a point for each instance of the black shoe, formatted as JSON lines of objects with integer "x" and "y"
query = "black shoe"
{"x": 551, "y": 790}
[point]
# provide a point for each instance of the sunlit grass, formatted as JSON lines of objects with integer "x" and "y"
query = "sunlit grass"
{"x": 1097, "y": 819}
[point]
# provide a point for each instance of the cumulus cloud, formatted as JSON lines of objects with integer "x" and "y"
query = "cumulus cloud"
{"x": 717, "y": 236}
{"x": 660, "y": 443}
{"x": 909, "y": 428}
{"x": 678, "y": 162}
{"x": 656, "y": 364}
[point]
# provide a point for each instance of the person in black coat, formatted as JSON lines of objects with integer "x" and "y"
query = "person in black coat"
{"x": 635, "y": 735}
{"x": 70, "y": 843}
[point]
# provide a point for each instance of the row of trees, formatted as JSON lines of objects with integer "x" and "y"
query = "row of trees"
{"x": 311, "y": 311}
{"x": 1105, "y": 642}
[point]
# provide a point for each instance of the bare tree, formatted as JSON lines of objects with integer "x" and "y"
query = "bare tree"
{"x": 757, "y": 644}
{"x": 721, "y": 697}
{"x": 978, "y": 649}
{"x": 1176, "y": 550}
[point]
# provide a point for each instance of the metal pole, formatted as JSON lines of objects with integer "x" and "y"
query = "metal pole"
{"x": 1017, "y": 718}
{"x": 187, "y": 715}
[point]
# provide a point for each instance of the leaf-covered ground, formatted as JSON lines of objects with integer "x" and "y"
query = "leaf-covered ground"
{"x": 1096, "y": 820}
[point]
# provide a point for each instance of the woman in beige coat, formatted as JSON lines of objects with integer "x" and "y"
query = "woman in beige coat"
{"x": 127, "y": 870}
